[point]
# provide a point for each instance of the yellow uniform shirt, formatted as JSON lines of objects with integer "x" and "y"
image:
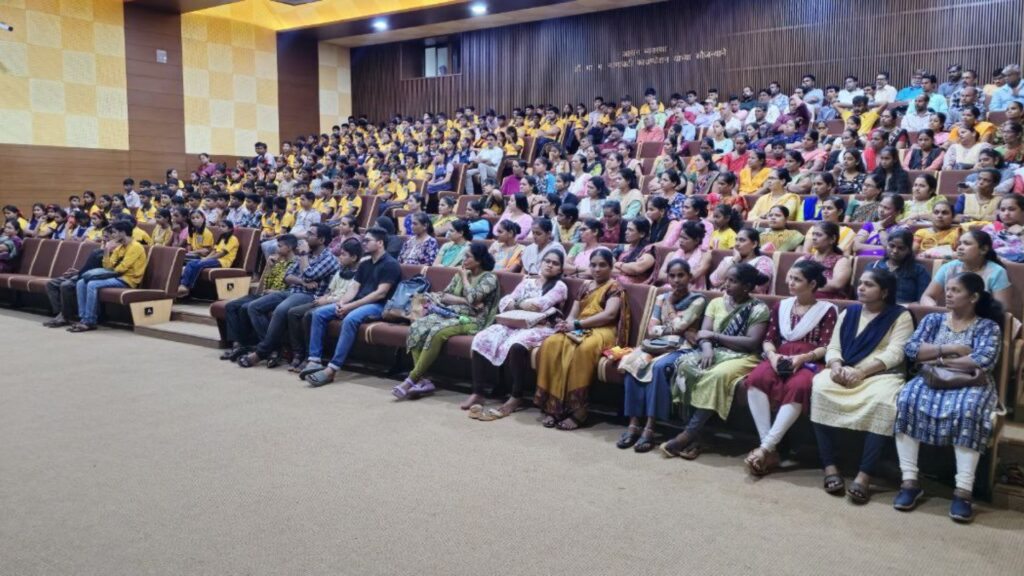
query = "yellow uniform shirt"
{"x": 277, "y": 226}
{"x": 750, "y": 183}
{"x": 128, "y": 261}
{"x": 867, "y": 120}
{"x": 201, "y": 240}
{"x": 230, "y": 249}
{"x": 346, "y": 205}
{"x": 325, "y": 205}
{"x": 646, "y": 109}
{"x": 140, "y": 236}
{"x": 93, "y": 234}
{"x": 146, "y": 215}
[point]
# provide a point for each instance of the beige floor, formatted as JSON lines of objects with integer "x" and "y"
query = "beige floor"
{"x": 126, "y": 455}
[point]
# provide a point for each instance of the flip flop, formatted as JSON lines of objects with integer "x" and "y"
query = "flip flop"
{"x": 54, "y": 323}
{"x": 492, "y": 414}
{"x": 691, "y": 452}
{"x": 644, "y": 444}
{"x": 80, "y": 327}
{"x": 318, "y": 379}
{"x": 311, "y": 368}
{"x": 399, "y": 392}
{"x": 475, "y": 411}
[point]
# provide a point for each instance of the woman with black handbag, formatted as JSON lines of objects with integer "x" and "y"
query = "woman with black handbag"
{"x": 953, "y": 397}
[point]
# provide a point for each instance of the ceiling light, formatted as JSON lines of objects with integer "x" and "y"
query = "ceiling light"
{"x": 380, "y": 25}
{"x": 478, "y": 9}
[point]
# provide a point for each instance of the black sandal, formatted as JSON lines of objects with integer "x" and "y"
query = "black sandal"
{"x": 834, "y": 484}
{"x": 234, "y": 354}
{"x": 858, "y": 493}
{"x": 645, "y": 443}
{"x": 274, "y": 361}
{"x": 628, "y": 438}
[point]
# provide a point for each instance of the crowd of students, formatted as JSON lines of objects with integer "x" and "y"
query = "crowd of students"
{"x": 589, "y": 207}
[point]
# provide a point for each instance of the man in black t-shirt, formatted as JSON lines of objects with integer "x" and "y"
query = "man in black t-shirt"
{"x": 375, "y": 281}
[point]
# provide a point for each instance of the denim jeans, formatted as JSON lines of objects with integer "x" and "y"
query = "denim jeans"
{"x": 236, "y": 319}
{"x": 269, "y": 317}
{"x": 193, "y": 268}
{"x": 653, "y": 398}
{"x": 89, "y": 297}
{"x": 349, "y": 327}
{"x": 874, "y": 444}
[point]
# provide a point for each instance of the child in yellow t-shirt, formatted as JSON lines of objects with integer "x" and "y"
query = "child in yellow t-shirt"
{"x": 222, "y": 256}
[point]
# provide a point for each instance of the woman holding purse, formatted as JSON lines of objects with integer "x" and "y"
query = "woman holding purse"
{"x": 506, "y": 349}
{"x": 955, "y": 406}
{"x": 465, "y": 306}
{"x": 648, "y": 374}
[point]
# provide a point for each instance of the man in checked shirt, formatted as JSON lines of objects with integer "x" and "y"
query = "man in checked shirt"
{"x": 307, "y": 279}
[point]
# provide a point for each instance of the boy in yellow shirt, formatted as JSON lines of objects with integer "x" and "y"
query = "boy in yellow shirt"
{"x": 223, "y": 256}
{"x": 124, "y": 265}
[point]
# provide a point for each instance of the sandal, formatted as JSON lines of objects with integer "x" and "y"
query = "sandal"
{"x": 296, "y": 367}
{"x": 760, "y": 461}
{"x": 311, "y": 368}
{"x": 274, "y": 361}
{"x": 549, "y": 421}
{"x": 628, "y": 438}
{"x": 674, "y": 447}
{"x": 422, "y": 388}
{"x": 492, "y": 414}
{"x": 858, "y": 493}
{"x": 691, "y": 452}
{"x": 834, "y": 484}
{"x": 81, "y": 327}
{"x": 249, "y": 360}
{"x": 573, "y": 424}
{"x": 233, "y": 354}
{"x": 645, "y": 443}
{"x": 320, "y": 378}
{"x": 56, "y": 323}
{"x": 475, "y": 411}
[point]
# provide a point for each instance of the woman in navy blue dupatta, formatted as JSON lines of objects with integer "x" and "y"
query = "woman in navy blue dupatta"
{"x": 866, "y": 370}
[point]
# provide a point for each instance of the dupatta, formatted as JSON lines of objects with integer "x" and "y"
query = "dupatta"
{"x": 857, "y": 347}
{"x": 593, "y": 302}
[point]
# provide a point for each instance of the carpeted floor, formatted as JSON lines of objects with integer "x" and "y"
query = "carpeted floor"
{"x": 121, "y": 454}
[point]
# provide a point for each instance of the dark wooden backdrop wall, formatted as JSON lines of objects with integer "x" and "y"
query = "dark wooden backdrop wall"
{"x": 763, "y": 40}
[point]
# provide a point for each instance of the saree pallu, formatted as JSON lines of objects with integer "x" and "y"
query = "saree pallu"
{"x": 567, "y": 369}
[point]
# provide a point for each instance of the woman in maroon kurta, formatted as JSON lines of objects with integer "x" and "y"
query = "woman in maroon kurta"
{"x": 798, "y": 335}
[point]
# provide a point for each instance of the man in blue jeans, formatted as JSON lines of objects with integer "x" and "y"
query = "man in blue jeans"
{"x": 269, "y": 313}
{"x": 125, "y": 260}
{"x": 375, "y": 281}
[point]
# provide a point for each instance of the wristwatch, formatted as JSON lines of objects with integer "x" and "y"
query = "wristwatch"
{"x": 576, "y": 324}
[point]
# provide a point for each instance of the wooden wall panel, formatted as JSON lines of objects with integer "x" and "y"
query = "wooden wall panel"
{"x": 156, "y": 107}
{"x": 51, "y": 174}
{"x": 298, "y": 85}
{"x": 763, "y": 41}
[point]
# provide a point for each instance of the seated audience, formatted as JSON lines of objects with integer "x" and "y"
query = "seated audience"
{"x": 123, "y": 266}
{"x": 825, "y": 250}
{"x": 872, "y": 237}
{"x": 307, "y": 279}
{"x": 776, "y": 237}
{"x": 858, "y": 391}
{"x": 648, "y": 375}
{"x": 421, "y": 248}
{"x": 746, "y": 251}
{"x": 944, "y": 412}
{"x": 542, "y": 234}
{"x": 635, "y": 265}
{"x": 912, "y": 278}
{"x": 798, "y": 334}
{"x": 518, "y": 211}
{"x": 729, "y": 340}
{"x": 502, "y": 351}
{"x": 776, "y": 196}
{"x": 222, "y": 256}
{"x": 567, "y": 367}
{"x": 578, "y": 260}
{"x": 1007, "y": 231}
{"x": 452, "y": 252}
{"x": 373, "y": 284}
{"x": 464, "y": 307}
{"x": 938, "y": 240}
{"x": 974, "y": 253}
{"x": 239, "y": 330}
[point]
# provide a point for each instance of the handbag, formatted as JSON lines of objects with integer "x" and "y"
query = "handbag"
{"x": 659, "y": 346}
{"x": 401, "y": 300}
{"x": 97, "y": 274}
{"x": 946, "y": 377}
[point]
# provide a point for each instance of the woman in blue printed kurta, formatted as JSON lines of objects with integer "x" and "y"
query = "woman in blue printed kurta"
{"x": 967, "y": 338}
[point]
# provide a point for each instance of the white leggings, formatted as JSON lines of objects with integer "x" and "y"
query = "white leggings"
{"x": 966, "y": 461}
{"x": 761, "y": 409}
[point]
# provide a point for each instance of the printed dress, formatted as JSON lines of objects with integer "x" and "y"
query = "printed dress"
{"x": 959, "y": 416}
{"x": 494, "y": 342}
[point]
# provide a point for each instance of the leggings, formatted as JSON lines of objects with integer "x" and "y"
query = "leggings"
{"x": 966, "y": 461}
{"x": 515, "y": 374}
{"x": 423, "y": 358}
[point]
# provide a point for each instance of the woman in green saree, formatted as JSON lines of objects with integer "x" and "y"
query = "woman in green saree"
{"x": 730, "y": 340}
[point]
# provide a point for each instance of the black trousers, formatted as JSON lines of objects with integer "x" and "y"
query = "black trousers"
{"x": 239, "y": 328}
{"x": 300, "y": 322}
{"x": 62, "y": 296}
{"x": 514, "y": 376}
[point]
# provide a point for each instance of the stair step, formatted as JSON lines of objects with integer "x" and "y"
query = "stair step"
{"x": 184, "y": 332}
{"x": 193, "y": 312}
{"x": 1013, "y": 433}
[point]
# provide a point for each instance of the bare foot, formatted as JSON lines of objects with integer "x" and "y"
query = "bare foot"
{"x": 473, "y": 399}
{"x": 511, "y": 405}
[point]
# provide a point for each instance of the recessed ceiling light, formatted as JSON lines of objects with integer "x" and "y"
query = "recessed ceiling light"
{"x": 380, "y": 25}
{"x": 478, "y": 9}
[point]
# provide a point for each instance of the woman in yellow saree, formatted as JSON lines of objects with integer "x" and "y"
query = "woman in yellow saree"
{"x": 568, "y": 359}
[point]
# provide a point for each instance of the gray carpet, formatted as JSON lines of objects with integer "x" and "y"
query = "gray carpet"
{"x": 121, "y": 454}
